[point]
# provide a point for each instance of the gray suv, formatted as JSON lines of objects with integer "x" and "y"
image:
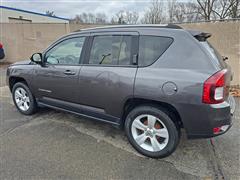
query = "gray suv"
{"x": 149, "y": 80}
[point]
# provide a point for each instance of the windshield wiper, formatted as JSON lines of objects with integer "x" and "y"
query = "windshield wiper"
{"x": 103, "y": 57}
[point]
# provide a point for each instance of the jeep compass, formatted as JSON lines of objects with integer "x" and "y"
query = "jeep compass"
{"x": 150, "y": 80}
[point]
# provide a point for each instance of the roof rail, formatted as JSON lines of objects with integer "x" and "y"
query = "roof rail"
{"x": 170, "y": 26}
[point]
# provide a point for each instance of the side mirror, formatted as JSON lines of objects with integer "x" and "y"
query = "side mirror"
{"x": 37, "y": 58}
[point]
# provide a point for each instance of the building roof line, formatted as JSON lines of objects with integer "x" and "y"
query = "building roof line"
{"x": 30, "y": 12}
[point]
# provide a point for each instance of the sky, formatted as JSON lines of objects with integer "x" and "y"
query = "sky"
{"x": 69, "y": 8}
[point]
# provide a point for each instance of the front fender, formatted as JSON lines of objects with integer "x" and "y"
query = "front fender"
{"x": 20, "y": 73}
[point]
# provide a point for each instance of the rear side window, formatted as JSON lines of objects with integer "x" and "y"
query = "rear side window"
{"x": 151, "y": 48}
{"x": 111, "y": 50}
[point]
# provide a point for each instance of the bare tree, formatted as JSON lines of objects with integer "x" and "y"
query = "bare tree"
{"x": 76, "y": 20}
{"x": 219, "y": 9}
{"x": 154, "y": 14}
{"x": 223, "y": 8}
{"x": 173, "y": 10}
{"x": 113, "y": 21}
{"x": 50, "y": 13}
{"x": 101, "y": 18}
{"x": 125, "y": 17}
{"x": 84, "y": 17}
{"x": 120, "y": 17}
{"x": 131, "y": 17}
{"x": 206, "y": 8}
{"x": 235, "y": 10}
{"x": 179, "y": 12}
{"x": 191, "y": 12}
{"x": 90, "y": 18}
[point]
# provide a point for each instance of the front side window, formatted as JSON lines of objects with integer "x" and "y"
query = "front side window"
{"x": 67, "y": 52}
{"x": 111, "y": 50}
{"x": 151, "y": 48}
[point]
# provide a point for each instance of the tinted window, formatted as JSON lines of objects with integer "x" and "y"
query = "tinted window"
{"x": 214, "y": 53}
{"x": 151, "y": 48}
{"x": 112, "y": 50}
{"x": 67, "y": 52}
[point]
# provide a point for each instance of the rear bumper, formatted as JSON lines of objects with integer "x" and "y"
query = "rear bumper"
{"x": 210, "y": 133}
{"x": 200, "y": 120}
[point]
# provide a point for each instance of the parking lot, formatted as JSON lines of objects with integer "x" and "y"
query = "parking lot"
{"x": 57, "y": 145}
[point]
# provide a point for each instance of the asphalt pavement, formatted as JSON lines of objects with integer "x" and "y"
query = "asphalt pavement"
{"x": 2, "y": 77}
{"x": 57, "y": 145}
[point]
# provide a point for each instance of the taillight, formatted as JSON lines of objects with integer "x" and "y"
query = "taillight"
{"x": 1, "y": 46}
{"x": 214, "y": 88}
{"x": 220, "y": 129}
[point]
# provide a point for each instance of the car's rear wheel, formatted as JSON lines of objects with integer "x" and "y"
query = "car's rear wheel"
{"x": 151, "y": 131}
{"x": 24, "y": 99}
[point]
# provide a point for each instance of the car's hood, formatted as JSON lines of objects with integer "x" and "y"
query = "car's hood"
{"x": 25, "y": 62}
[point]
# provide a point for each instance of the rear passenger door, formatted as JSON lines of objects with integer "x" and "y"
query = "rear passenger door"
{"x": 107, "y": 76}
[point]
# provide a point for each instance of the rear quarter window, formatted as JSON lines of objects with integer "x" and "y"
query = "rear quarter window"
{"x": 151, "y": 48}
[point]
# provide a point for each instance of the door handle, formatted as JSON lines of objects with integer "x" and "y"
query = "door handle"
{"x": 68, "y": 72}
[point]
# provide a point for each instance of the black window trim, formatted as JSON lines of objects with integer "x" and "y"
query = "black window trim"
{"x": 134, "y": 51}
{"x": 65, "y": 39}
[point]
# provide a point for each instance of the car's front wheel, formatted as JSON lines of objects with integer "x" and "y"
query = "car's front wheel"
{"x": 24, "y": 99}
{"x": 151, "y": 131}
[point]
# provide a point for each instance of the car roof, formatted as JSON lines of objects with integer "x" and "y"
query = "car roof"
{"x": 128, "y": 27}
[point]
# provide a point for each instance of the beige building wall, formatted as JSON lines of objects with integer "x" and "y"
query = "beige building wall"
{"x": 226, "y": 39}
{"x": 11, "y": 16}
{"x": 22, "y": 40}
{"x": 77, "y": 27}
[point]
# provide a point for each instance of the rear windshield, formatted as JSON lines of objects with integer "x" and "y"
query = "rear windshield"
{"x": 218, "y": 59}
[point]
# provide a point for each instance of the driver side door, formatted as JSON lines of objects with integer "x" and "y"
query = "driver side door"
{"x": 56, "y": 81}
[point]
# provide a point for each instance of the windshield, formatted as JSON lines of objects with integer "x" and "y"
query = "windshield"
{"x": 214, "y": 53}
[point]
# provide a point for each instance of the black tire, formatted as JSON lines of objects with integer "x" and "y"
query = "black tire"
{"x": 161, "y": 114}
{"x": 32, "y": 105}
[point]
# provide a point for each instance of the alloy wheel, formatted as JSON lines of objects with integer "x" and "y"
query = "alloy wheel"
{"x": 150, "y": 132}
{"x": 22, "y": 99}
